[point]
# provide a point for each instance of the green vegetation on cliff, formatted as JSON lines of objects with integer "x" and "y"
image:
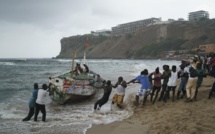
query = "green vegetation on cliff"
{"x": 164, "y": 45}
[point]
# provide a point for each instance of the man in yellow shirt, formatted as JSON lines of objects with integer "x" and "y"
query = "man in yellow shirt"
{"x": 196, "y": 62}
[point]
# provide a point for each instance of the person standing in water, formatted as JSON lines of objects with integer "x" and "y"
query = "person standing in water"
{"x": 120, "y": 93}
{"x": 40, "y": 102}
{"x": 107, "y": 91}
{"x": 145, "y": 88}
{"x": 32, "y": 102}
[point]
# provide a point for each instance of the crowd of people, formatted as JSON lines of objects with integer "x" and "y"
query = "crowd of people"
{"x": 191, "y": 74}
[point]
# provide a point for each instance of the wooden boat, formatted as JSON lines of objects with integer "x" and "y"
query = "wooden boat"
{"x": 69, "y": 88}
{"x": 65, "y": 89}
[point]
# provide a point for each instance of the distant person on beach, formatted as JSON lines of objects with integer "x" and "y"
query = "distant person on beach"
{"x": 212, "y": 91}
{"x": 212, "y": 64}
{"x": 157, "y": 84}
{"x": 183, "y": 62}
{"x": 145, "y": 86}
{"x": 212, "y": 73}
{"x": 165, "y": 77}
{"x": 40, "y": 102}
{"x": 192, "y": 81}
{"x": 120, "y": 93}
{"x": 86, "y": 68}
{"x": 98, "y": 78}
{"x": 78, "y": 70}
{"x": 32, "y": 102}
{"x": 195, "y": 62}
{"x": 208, "y": 63}
{"x": 173, "y": 76}
{"x": 98, "y": 83}
{"x": 184, "y": 78}
{"x": 202, "y": 74}
{"x": 107, "y": 91}
{"x": 205, "y": 63}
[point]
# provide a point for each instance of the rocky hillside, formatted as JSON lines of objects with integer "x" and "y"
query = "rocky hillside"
{"x": 147, "y": 42}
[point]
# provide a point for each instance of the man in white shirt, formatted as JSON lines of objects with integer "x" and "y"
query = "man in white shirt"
{"x": 191, "y": 84}
{"x": 40, "y": 102}
{"x": 120, "y": 93}
{"x": 173, "y": 76}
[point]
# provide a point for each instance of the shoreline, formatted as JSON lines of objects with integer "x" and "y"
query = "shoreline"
{"x": 170, "y": 117}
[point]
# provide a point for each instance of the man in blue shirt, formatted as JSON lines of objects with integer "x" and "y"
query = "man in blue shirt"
{"x": 32, "y": 102}
{"x": 145, "y": 86}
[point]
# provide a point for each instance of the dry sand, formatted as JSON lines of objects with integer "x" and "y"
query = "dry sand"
{"x": 177, "y": 117}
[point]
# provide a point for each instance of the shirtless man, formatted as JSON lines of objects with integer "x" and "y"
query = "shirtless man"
{"x": 107, "y": 91}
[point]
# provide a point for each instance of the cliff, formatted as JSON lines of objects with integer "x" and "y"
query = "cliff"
{"x": 147, "y": 42}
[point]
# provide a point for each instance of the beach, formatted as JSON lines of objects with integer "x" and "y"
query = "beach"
{"x": 177, "y": 117}
{"x": 77, "y": 118}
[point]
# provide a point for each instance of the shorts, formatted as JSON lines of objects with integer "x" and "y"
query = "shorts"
{"x": 118, "y": 98}
{"x": 143, "y": 92}
{"x": 156, "y": 88}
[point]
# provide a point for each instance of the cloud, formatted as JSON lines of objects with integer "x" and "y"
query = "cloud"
{"x": 36, "y": 26}
{"x": 24, "y": 40}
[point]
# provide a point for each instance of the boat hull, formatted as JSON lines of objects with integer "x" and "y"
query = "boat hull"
{"x": 64, "y": 89}
{"x": 78, "y": 98}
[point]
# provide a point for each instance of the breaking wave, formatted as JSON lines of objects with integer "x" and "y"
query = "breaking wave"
{"x": 7, "y": 63}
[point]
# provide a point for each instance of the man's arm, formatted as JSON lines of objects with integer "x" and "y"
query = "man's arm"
{"x": 115, "y": 85}
{"x": 151, "y": 74}
{"x": 164, "y": 76}
{"x": 133, "y": 80}
{"x": 169, "y": 75}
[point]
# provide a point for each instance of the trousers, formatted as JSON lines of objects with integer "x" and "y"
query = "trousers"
{"x": 39, "y": 108}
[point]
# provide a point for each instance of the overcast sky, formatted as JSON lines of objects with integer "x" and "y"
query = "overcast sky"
{"x": 33, "y": 28}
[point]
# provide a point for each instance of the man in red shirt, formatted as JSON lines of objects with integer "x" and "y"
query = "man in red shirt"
{"x": 213, "y": 62}
{"x": 157, "y": 83}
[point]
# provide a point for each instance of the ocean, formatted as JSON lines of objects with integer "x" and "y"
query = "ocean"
{"x": 17, "y": 77}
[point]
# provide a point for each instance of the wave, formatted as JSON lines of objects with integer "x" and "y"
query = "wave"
{"x": 63, "y": 60}
{"x": 88, "y": 60}
{"x": 17, "y": 60}
{"x": 7, "y": 63}
{"x": 107, "y": 60}
{"x": 100, "y": 61}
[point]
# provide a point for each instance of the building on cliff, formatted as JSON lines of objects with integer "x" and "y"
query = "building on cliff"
{"x": 133, "y": 26}
{"x": 207, "y": 48}
{"x": 198, "y": 15}
{"x": 101, "y": 32}
{"x": 173, "y": 54}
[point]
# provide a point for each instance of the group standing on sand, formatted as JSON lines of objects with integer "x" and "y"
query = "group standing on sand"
{"x": 191, "y": 75}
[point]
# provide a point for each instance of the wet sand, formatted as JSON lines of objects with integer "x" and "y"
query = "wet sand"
{"x": 177, "y": 117}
